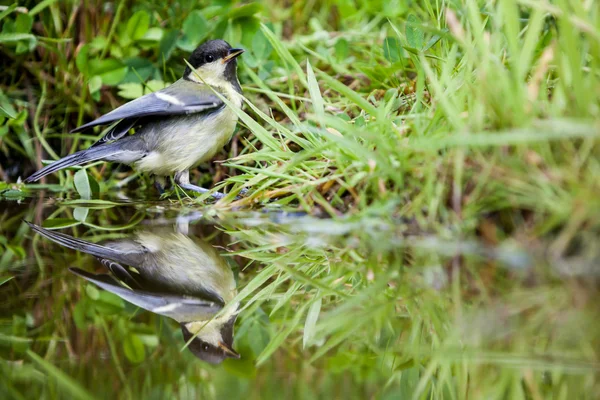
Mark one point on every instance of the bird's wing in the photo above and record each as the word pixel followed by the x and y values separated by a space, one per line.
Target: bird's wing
pixel 182 97
pixel 117 131
pixel 180 308
pixel 131 255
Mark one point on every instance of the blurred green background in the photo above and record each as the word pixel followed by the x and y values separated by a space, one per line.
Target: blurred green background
pixel 446 153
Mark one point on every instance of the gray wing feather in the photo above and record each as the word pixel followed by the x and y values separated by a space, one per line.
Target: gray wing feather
pixel 117 131
pixel 182 97
pixel 180 308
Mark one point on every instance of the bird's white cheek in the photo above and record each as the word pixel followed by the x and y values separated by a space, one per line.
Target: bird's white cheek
pixel 211 73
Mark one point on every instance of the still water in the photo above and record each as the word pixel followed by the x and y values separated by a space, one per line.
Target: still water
pixel 109 298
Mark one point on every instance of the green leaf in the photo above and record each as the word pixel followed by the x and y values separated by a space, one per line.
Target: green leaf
pixel 92 292
pixel 247 10
pixel 6 108
pixel 23 23
pixel 414 34
pixel 81 60
pixel 261 48
pixel 131 90
pixel 58 223
pixel 167 45
pixel 134 348
pixel 95 84
pixel 138 25
pixel 80 213
pixel 109 303
pixel 149 340
pixel 110 70
pixel 342 49
pixel 311 323
pixel 140 69
pixel 392 49
pixel 82 184
pixel 155 85
pixel 195 29
pixel 153 34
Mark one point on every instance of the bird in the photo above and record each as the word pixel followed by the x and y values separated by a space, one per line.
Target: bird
pixel 176 128
pixel 170 274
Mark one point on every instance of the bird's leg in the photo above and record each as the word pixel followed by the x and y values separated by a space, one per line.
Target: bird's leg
pixel 183 179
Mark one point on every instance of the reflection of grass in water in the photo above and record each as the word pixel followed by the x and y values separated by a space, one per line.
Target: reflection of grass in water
pixel 380 297
pixel 472 144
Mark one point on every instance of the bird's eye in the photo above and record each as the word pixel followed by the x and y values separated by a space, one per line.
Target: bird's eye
pixel 205 347
pixel 209 58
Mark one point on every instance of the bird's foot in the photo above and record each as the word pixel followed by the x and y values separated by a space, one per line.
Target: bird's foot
pixel 199 189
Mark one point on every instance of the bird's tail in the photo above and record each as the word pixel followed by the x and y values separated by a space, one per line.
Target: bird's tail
pixel 80 245
pixel 81 157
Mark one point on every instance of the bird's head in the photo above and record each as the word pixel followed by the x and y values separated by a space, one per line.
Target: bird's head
pixel 215 63
pixel 214 341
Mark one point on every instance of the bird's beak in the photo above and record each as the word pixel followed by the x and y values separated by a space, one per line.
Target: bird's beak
pixel 233 53
pixel 229 352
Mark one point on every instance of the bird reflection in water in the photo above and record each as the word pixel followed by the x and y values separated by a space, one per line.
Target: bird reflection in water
pixel 170 274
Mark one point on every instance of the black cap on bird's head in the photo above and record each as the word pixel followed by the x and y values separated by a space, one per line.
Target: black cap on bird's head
pixel 215 57
pixel 209 352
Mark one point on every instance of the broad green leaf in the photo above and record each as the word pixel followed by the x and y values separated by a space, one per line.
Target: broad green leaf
pixel 110 70
pixel 167 45
pixel 392 49
pixel 109 303
pixel 95 84
pixel 140 69
pixel 82 184
pixel 311 322
pixel 6 108
pixel 23 23
pixel 261 48
pixel 155 85
pixel 149 340
pixel 92 292
pixel 134 348
pixel 247 10
pixel 58 223
pixel 80 213
pixel 82 58
pixel 414 34
pixel 153 34
pixel 342 49
pixel 138 25
pixel 131 90
pixel 195 28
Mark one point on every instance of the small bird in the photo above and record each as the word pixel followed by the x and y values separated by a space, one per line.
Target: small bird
pixel 177 127
pixel 170 274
